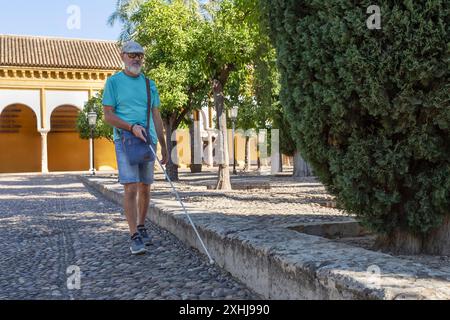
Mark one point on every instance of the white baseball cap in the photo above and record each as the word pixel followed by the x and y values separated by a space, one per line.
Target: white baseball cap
pixel 132 47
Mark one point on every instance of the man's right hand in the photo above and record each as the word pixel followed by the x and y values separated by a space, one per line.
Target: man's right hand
pixel 139 132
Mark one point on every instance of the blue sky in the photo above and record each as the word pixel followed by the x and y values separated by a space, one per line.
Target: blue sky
pixel 50 18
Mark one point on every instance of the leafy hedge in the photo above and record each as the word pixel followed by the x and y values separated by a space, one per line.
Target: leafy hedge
pixel 102 129
pixel 370 109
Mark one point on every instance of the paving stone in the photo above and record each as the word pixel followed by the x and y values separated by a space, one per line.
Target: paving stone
pixel 49 223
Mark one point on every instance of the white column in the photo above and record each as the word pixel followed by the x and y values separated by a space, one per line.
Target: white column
pixel 233 145
pixel 91 156
pixel 198 142
pixel 44 153
pixel 209 150
pixel 275 151
pixel 262 140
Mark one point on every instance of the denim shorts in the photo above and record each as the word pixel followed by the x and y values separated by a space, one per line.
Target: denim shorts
pixel 141 173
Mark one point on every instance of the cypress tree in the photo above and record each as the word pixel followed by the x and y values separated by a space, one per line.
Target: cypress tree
pixel 370 110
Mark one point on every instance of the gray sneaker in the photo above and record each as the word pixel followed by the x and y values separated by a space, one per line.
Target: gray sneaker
pixel 137 245
pixel 144 235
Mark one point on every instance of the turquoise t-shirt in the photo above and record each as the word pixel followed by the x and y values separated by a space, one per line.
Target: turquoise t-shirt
pixel 128 96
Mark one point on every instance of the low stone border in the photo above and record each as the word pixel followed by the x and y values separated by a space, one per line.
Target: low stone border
pixel 332 230
pixel 244 186
pixel 279 263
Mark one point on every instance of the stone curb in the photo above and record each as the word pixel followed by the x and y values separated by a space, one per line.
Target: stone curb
pixel 279 263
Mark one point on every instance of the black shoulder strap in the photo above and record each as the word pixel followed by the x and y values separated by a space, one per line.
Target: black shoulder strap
pixel 149 103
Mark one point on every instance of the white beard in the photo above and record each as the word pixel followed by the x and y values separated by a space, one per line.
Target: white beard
pixel 134 70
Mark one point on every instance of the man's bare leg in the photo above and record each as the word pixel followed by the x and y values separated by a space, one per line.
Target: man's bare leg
pixel 130 206
pixel 143 202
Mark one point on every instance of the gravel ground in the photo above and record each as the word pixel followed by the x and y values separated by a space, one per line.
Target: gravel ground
pixel 52 226
pixel 289 201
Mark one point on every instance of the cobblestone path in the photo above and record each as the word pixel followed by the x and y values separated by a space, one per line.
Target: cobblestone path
pixel 52 226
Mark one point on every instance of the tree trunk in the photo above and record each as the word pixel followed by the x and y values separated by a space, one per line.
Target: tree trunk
pixel 281 163
pixel 224 182
pixel 195 167
pixel 258 153
pixel 436 242
pixel 301 167
pixel 171 167
pixel 247 154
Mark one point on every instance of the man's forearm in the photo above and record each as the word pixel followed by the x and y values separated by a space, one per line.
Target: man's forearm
pixel 160 131
pixel 116 122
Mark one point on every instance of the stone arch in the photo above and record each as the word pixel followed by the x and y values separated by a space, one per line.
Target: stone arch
pixel 66 150
pixel 56 99
pixel 20 141
pixel 205 119
pixel 29 98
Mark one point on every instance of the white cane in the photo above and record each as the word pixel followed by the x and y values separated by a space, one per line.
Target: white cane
pixel 211 261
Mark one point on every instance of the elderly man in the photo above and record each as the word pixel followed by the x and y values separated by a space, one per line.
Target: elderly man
pixel 125 102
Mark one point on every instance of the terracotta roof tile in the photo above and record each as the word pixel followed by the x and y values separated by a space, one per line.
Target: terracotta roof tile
pixel 27 51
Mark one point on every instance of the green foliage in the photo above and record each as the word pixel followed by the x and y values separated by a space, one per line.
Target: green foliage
pixel 254 86
pixel 370 109
pixel 190 43
pixel 287 143
pixel 102 129
pixel 225 42
pixel 167 31
pixel 239 93
pixel 123 13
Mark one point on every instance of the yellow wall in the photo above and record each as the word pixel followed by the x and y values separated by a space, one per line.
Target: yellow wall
pixel 183 148
pixel 105 155
pixel 67 152
pixel 240 148
pixel 20 150
pixel 20 153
